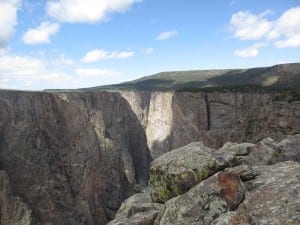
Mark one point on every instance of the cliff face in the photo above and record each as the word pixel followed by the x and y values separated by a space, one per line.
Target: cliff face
pixel 174 119
pixel 72 158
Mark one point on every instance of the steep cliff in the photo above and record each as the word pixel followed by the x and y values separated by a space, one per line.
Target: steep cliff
pixel 174 119
pixel 72 157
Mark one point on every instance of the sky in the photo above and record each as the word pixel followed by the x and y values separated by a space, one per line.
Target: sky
pixel 49 44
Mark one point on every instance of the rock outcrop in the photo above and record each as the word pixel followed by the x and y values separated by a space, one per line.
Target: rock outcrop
pixel 175 119
pixel 263 191
pixel 72 157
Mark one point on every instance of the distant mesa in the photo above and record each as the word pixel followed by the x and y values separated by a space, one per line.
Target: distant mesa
pixel 282 76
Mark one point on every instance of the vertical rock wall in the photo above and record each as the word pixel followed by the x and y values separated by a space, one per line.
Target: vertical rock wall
pixel 72 157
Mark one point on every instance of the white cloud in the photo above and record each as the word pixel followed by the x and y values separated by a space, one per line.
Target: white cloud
pixel 100 54
pixel 40 34
pixel 249 52
pixel 287 29
pixel 292 42
pixel 289 23
pixel 247 26
pixel 15 71
pixel 85 11
pixel 282 32
pixel 95 72
pixel 8 20
pixel 30 73
pixel 149 51
pixel 167 35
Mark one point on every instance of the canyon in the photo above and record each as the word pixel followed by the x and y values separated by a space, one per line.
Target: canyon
pixel 72 157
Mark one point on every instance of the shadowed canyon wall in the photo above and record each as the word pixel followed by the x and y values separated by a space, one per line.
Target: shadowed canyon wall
pixel 72 158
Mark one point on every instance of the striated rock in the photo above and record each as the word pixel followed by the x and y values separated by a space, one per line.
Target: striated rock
pixel 72 157
pixel 273 197
pixel 177 171
pixel 175 119
pixel 137 210
pixel 205 202
pixel 13 211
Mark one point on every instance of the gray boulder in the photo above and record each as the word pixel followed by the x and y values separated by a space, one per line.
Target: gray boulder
pixel 205 202
pixel 177 171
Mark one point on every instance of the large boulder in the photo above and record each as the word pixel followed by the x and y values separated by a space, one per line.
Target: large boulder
pixel 177 171
pixel 205 202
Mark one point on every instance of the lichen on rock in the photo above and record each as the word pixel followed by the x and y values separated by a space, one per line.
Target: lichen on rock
pixel 176 172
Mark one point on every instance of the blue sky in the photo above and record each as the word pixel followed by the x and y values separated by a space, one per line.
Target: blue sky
pixel 76 43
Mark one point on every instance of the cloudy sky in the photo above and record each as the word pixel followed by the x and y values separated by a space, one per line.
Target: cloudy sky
pixel 84 43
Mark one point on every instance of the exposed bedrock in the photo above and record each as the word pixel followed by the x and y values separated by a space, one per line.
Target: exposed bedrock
pixel 220 189
pixel 174 119
pixel 72 157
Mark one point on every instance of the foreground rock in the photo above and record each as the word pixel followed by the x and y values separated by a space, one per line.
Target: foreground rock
pixel 247 194
pixel 137 210
pixel 273 197
pixel 177 171
pixel 13 211
pixel 205 202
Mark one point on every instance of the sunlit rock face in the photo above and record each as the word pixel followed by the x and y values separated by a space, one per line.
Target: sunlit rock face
pixel 72 157
pixel 174 119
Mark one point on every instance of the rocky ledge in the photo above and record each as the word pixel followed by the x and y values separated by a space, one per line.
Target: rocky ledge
pixel 239 184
